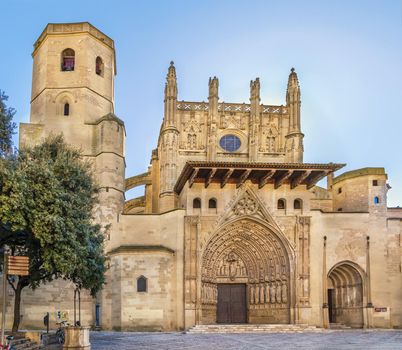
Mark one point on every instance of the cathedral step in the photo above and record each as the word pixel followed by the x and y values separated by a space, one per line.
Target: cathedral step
pixel 252 328
pixel 339 326
pixel 20 343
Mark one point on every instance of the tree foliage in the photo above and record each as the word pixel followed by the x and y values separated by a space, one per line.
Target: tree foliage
pixel 7 126
pixel 47 198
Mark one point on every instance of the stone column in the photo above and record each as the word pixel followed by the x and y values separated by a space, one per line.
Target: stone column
pixel 325 315
pixel 369 306
pixel 198 262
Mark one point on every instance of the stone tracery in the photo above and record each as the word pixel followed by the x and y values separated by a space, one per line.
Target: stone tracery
pixel 245 206
pixel 192 131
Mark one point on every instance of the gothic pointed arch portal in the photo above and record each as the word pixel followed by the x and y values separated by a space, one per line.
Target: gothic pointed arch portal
pixel 249 253
pixel 345 294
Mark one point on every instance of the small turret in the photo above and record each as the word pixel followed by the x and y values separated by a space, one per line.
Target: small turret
pixel 293 101
pixel 213 99
pixel 294 138
pixel 254 118
pixel 168 143
pixel 255 91
pixel 170 96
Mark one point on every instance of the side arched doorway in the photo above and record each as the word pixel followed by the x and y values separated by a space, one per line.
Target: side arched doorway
pixel 345 295
pixel 246 275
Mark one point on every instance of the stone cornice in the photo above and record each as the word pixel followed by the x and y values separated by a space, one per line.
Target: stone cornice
pixel 107 117
pixel 156 214
pixel 256 165
pixel 140 249
pixel 359 172
pixel 72 88
pixel 340 212
pixel 294 174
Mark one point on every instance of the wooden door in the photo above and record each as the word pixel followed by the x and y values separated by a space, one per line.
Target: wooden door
pixel 331 306
pixel 231 306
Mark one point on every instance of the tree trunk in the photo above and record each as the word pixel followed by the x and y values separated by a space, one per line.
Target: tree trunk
pixel 17 304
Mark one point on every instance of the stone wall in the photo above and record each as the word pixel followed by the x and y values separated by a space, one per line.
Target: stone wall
pixel 149 246
pixel 50 297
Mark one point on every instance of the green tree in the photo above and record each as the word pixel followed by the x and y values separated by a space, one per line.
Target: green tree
pixel 7 126
pixel 47 197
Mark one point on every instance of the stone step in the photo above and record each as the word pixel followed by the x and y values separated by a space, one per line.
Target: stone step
pixel 252 328
pixel 49 338
pixel 25 344
pixel 339 326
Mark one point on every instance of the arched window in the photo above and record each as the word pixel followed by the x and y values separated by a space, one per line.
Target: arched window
pixel 212 206
pixel 212 203
pixel 66 109
pixel 99 66
pixel 376 200
pixel 281 204
pixel 141 284
pixel 197 203
pixel 67 60
pixel 297 204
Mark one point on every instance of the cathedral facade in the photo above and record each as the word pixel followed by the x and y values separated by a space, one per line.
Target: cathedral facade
pixel 232 227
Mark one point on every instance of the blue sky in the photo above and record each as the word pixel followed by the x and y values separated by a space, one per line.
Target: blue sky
pixel 347 53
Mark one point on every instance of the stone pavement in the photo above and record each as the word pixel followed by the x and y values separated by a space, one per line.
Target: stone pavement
pixel 328 340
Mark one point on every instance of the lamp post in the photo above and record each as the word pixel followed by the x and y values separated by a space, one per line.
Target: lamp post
pixel 3 315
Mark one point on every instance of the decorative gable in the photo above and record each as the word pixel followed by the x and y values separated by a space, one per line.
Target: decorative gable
pixel 247 204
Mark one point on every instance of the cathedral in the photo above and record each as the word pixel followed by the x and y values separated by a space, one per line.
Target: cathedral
pixel 232 227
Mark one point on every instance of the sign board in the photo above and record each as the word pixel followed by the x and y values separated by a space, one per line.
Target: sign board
pixel 380 309
pixel 18 265
pixel 61 316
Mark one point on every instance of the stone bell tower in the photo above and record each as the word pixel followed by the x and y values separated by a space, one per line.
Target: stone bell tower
pixel 74 66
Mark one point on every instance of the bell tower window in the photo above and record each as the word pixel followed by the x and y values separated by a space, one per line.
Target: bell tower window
pixel 66 108
pixel 99 66
pixel 67 60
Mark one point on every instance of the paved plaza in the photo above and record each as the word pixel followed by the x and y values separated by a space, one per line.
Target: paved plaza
pixel 350 339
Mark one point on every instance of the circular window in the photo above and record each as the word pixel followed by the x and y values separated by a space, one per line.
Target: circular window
pixel 230 143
